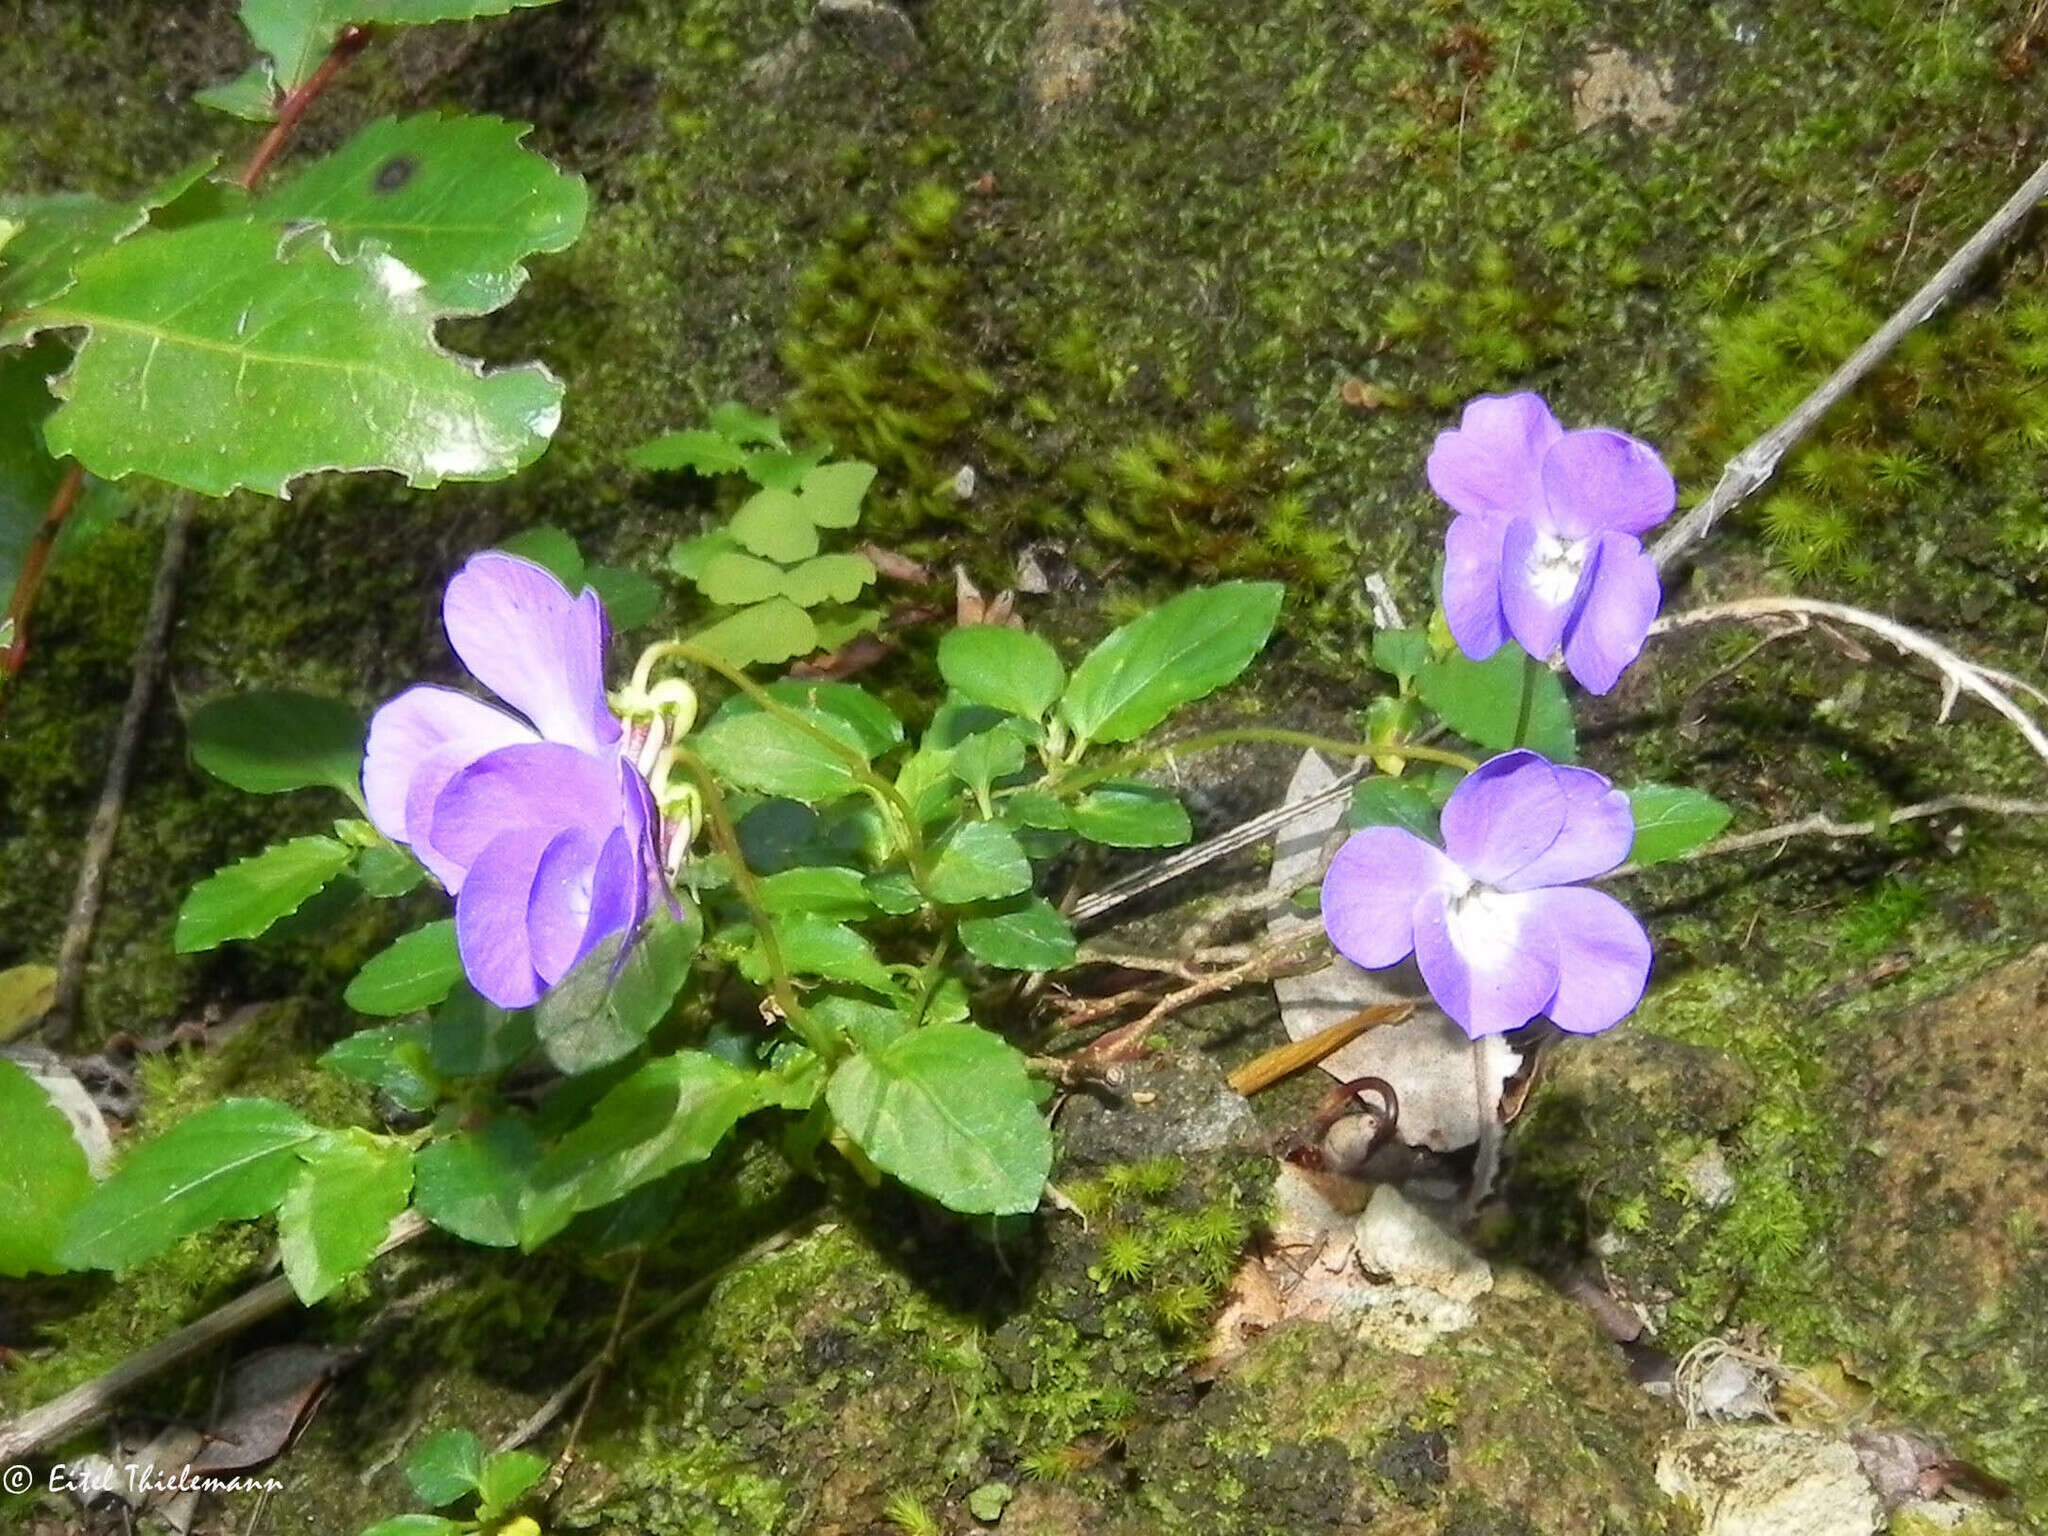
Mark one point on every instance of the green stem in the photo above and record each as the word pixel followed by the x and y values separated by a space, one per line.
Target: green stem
pixel 1135 761
pixel 725 838
pixel 1527 701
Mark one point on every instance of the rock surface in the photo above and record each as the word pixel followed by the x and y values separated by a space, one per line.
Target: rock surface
pixel 1770 1481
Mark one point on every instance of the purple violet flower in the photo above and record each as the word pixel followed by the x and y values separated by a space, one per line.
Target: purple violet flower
pixel 1546 546
pixel 1499 930
pixel 544 832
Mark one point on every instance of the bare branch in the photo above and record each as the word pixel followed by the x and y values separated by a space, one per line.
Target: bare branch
pixel 1823 826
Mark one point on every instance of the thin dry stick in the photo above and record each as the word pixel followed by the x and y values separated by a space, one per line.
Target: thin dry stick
pixel 86 1405
pixel 603 1362
pixel 152 652
pixel 1823 826
pixel 1959 674
pixel 1284 1061
pixel 1269 962
pixel 557 1404
pixel 1754 466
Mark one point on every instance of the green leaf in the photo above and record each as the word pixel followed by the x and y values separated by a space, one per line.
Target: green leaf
pixel 760 752
pixel 242 900
pixel 1400 653
pixel 26 993
pixel 1131 816
pixel 704 453
pixel 1179 652
pixel 416 972
pixel 1036 809
pixel 827 579
pixel 446 1466
pixel 847 708
pixel 603 1008
pixel 948 1110
pixel 772 524
pixel 749 429
pixel 54 233
pixel 474 1182
pixel 392 1058
pixel 832 493
pixel 778 469
pixel 551 548
pixel 1382 802
pixel 631 598
pixel 252 95
pixel 506 1479
pixel 1482 702
pixel 1027 935
pixel 29 477
pixel 1671 821
pixel 44 1178
pixel 867 1026
pixel 1004 668
pixel 817 946
pixel 456 199
pixel 340 1208
pixel 232 1162
pixel 297 34
pixel 822 891
pixel 894 892
pixel 672 1112
pixel 416 1525
pixel 385 871
pixel 268 741
pixel 202 366
pixel 734 578
pixel 764 634
pixel 980 760
pixel 981 861
pixel 470 1036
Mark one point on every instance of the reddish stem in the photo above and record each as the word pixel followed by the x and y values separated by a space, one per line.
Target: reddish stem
pixel 350 42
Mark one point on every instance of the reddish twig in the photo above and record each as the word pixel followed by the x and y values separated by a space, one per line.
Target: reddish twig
pixel 31 579
pixel 351 41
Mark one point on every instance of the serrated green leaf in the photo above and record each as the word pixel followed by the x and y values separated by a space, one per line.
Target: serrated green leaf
pixel 869 1026
pixel 297 34
pixel 949 1111
pixel 445 1466
pixel 339 1209
pixel 416 971
pixel 1026 935
pixel 252 95
pixel 232 1162
pixel 1034 808
pixel 847 709
pixel 457 200
pixel 506 1479
pixel 473 1183
pixel 672 1112
pixel 470 1036
pixel 894 892
pixel 777 469
pixel 1400 653
pixel 688 557
pixel 827 579
pixel 242 900
pixel 760 752
pixel 1483 702
pixel 384 871
pixel 629 597
pixel 703 453
pixel 44 1178
pixel 817 946
pixel 268 741
pixel 1179 652
pixel 218 357
pixel 981 861
pixel 1382 802
pixel 764 634
pixel 750 429
pixel 1131 816
pixel 832 493
pixel 551 549
pixel 1671 821
pixel 980 760
pixel 1004 668
pixel 773 524
pixel 392 1058
pixel 735 578
pixel 822 891
pixel 604 1007
pixel 54 233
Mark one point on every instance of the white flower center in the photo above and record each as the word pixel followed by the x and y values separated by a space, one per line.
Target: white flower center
pixel 1555 565
pixel 1483 924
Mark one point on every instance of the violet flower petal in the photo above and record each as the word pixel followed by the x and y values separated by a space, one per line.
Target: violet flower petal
pixel 1603 958
pixel 1596 479
pixel 1538 602
pixel 1502 815
pixel 1472 582
pixel 1620 604
pixel 1488 960
pixel 1596 834
pixel 1370 893
pixel 557 911
pixel 542 785
pixel 490 917
pixel 1491 466
pixel 618 892
pixel 426 728
pixel 526 639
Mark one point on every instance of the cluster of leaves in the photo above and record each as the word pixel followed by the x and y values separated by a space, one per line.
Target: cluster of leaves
pixel 451 1468
pixel 214 338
